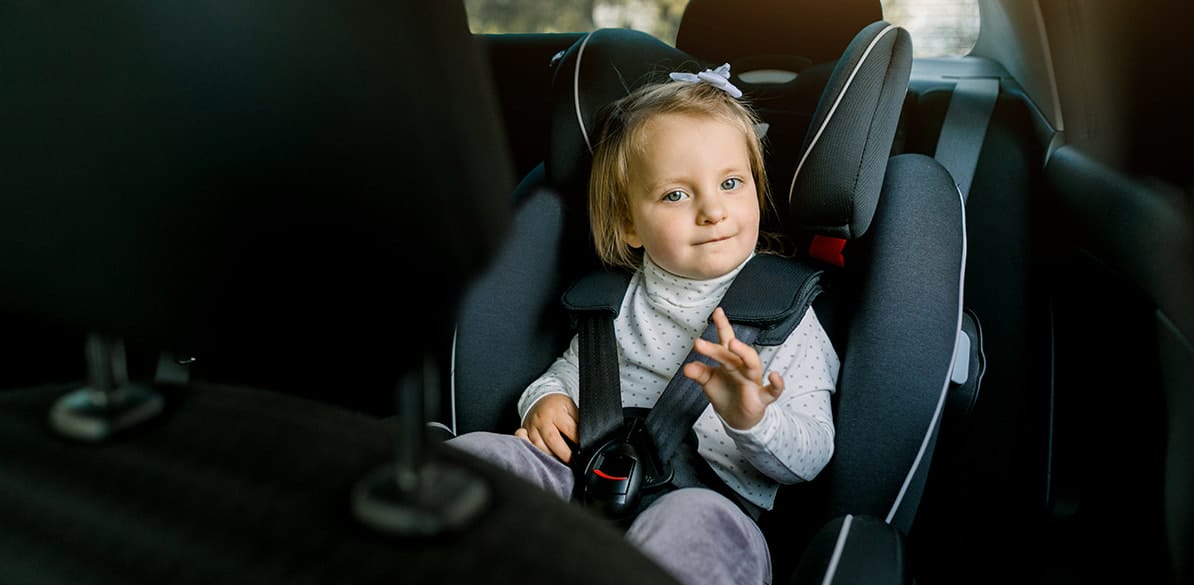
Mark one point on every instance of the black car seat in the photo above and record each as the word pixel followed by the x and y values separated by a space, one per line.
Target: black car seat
pixel 893 303
pixel 268 178
pixel 781 53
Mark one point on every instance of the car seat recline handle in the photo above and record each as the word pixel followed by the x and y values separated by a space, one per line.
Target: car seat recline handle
pixel 418 495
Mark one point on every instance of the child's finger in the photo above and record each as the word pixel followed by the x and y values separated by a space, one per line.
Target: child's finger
pixel 725 331
pixel 717 353
pixel 775 386
pixel 698 372
pixel 555 442
pixel 749 359
pixel 537 441
pixel 568 423
pixel 567 427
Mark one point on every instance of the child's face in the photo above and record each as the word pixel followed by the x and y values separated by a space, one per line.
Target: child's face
pixel 694 206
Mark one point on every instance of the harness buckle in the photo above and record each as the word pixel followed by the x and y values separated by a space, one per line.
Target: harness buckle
pixel 621 470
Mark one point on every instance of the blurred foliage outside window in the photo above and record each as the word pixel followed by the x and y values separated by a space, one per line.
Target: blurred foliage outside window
pixel 939 28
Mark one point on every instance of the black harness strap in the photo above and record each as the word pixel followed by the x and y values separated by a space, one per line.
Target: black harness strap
pixel 683 400
pixel 602 410
pixel 594 303
pixel 764 304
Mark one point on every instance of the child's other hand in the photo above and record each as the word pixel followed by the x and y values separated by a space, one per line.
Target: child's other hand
pixel 735 386
pixel 551 419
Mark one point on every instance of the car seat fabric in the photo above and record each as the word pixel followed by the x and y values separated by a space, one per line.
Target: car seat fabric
pixel 242 485
pixel 508 331
pixel 837 180
pixel 601 67
pixel 901 341
pixel 905 278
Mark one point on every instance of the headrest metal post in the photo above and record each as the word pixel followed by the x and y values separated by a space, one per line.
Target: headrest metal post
pixel 418 495
pixel 109 403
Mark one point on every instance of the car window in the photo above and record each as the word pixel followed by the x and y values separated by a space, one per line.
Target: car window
pixel 939 28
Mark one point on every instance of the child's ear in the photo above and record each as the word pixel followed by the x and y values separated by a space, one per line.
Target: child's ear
pixel 630 236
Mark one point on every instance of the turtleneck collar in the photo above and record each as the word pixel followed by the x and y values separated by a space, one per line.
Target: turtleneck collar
pixel 663 286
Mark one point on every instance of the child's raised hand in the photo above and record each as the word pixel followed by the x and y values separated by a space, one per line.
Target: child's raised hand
pixel 551 419
pixel 735 386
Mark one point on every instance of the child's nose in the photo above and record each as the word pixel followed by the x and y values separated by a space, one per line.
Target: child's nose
pixel 711 210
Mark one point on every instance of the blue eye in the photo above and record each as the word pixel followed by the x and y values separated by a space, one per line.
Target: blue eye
pixel 674 195
pixel 730 184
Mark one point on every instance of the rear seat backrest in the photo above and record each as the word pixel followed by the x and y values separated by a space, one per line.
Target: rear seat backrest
pixel 818 31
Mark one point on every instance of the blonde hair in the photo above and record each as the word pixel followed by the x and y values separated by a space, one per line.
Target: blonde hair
pixel 622 138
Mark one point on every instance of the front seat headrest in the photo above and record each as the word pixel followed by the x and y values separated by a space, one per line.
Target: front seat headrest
pixel 221 172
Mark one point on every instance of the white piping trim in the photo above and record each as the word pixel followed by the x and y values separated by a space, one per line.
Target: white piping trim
pixel 580 121
pixel 924 443
pixel 833 109
pixel 440 425
pixel 838 547
pixel 452 382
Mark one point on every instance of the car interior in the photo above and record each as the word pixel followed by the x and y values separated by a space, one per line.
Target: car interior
pixel 258 261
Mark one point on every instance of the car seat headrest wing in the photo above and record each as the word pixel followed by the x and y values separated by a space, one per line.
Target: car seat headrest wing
pixel 601 67
pixel 837 181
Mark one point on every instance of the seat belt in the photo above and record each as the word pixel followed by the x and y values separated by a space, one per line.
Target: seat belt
pixel 965 128
pixel 683 400
pixel 618 456
pixel 962 135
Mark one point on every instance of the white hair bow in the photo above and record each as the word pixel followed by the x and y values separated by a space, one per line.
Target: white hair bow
pixel 719 78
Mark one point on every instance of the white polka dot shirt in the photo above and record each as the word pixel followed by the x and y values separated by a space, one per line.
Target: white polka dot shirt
pixel 661 315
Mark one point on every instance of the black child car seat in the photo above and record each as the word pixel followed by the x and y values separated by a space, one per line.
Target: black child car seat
pixel 892 302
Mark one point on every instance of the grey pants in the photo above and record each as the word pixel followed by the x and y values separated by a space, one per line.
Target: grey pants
pixel 697 534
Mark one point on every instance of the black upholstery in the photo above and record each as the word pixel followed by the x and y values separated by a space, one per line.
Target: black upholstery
pixel 838 177
pixel 240 485
pixel 855 549
pixel 218 185
pixel 897 301
pixel 598 69
pixel 899 348
pixel 486 382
